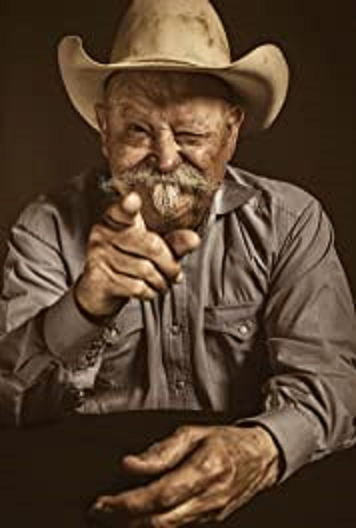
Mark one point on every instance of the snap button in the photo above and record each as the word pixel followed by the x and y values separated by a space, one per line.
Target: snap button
pixel 175 330
pixel 73 398
pixel 113 332
pixel 180 385
pixel 244 328
pixel 91 357
pixel 111 335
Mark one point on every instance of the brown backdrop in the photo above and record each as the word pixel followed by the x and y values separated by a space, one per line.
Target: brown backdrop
pixel 42 140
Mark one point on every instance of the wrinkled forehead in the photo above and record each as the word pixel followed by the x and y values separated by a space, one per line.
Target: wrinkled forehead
pixel 163 88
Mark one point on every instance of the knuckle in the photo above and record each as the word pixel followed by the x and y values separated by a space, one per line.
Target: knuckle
pixel 98 252
pixel 184 430
pixel 140 290
pixel 95 271
pixel 188 431
pixel 146 268
pixel 214 466
pixel 153 276
pixel 96 234
pixel 166 498
pixel 132 505
pixel 208 467
pixel 220 501
pixel 153 243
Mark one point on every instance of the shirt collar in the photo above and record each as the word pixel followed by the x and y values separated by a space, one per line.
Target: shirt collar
pixel 232 193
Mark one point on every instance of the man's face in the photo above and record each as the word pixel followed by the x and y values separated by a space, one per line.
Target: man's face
pixel 168 136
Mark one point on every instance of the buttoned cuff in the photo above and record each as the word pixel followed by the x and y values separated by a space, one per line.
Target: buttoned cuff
pixel 69 335
pixel 293 434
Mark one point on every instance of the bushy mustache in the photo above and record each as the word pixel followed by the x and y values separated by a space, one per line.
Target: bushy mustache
pixel 186 178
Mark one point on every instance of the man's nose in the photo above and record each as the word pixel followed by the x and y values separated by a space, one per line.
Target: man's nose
pixel 167 152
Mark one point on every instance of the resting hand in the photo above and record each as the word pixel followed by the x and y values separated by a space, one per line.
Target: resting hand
pixel 204 474
pixel 126 260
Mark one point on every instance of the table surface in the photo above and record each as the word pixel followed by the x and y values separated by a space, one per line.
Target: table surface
pixel 49 475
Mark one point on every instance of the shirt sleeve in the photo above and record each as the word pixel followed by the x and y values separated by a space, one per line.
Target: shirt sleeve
pixel 49 352
pixel 309 324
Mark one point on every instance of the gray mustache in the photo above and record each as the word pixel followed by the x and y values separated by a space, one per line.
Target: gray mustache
pixel 185 177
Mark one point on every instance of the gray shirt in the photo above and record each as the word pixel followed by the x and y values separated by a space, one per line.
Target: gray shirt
pixel 262 327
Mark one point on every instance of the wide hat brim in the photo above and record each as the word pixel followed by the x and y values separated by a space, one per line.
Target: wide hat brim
pixel 259 79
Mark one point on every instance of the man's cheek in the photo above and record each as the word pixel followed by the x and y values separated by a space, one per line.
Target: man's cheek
pixel 200 158
pixel 207 161
pixel 125 158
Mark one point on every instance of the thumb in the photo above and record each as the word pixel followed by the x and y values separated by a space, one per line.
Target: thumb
pixel 182 241
pixel 167 454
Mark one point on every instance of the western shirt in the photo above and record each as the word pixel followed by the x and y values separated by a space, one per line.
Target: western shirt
pixel 262 326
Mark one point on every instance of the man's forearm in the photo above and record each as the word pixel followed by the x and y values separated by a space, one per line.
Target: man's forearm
pixel 46 362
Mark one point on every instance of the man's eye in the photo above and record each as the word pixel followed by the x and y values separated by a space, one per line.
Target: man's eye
pixel 190 138
pixel 139 130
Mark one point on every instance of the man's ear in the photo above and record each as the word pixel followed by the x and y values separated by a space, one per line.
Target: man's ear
pixel 101 117
pixel 234 123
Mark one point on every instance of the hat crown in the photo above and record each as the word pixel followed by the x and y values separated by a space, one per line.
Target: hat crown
pixel 187 31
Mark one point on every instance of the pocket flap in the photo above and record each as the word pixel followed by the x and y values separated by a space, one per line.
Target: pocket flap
pixel 239 321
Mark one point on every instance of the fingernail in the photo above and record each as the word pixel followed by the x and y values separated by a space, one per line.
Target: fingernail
pixel 100 505
pixel 180 277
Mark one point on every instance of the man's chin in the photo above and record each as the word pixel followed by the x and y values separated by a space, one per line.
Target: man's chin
pixel 165 218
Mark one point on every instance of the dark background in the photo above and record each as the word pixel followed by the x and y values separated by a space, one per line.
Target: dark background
pixel 43 140
pixel 51 475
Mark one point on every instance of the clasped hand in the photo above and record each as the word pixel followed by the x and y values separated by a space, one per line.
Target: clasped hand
pixel 200 474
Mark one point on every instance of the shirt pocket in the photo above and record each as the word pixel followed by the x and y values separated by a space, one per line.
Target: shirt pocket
pixel 236 356
pixel 238 321
pixel 124 343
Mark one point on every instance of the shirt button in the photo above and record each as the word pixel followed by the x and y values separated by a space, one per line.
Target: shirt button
pixel 244 329
pixel 91 358
pixel 175 330
pixel 110 335
pixel 73 398
pixel 113 333
pixel 180 385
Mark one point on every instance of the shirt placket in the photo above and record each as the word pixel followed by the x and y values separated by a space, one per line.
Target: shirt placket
pixel 176 348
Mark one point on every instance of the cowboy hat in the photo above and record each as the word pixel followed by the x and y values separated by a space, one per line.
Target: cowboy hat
pixel 177 35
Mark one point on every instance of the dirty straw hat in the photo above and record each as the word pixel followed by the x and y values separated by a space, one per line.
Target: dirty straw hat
pixel 178 35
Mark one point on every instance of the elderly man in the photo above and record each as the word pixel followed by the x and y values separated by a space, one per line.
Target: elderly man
pixel 173 280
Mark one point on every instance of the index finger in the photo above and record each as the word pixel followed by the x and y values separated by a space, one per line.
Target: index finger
pixel 124 212
pixel 166 454
pixel 180 485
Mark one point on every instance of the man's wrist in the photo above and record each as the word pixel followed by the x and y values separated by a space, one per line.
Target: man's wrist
pixel 98 318
pixel 66 332
pixel 273 453
pixel 268 449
